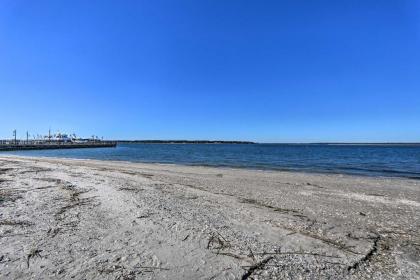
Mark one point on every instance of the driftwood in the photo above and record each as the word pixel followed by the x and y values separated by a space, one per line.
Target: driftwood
pixel 257 266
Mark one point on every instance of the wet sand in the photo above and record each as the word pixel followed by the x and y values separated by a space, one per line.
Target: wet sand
pixel 82 219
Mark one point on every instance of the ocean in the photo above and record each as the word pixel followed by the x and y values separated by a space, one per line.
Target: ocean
pixel 371 160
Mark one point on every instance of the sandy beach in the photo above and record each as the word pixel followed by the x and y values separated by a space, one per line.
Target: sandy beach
pixel 86 219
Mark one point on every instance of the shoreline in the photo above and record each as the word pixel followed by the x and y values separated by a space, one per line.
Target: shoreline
pixel 78 218
pixel 250 168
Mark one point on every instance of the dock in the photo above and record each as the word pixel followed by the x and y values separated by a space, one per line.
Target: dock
pixel 32 145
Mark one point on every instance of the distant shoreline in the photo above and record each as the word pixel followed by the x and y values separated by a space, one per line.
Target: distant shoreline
pixel 182 142
pixel 250 142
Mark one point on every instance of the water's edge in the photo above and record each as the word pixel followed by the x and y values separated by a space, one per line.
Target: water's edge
pixel 382 161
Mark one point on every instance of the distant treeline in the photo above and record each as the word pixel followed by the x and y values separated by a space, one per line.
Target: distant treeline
pixel 182 142
pixel 249 142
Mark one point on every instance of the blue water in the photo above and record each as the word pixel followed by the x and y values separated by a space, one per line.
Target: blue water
pixel 376 160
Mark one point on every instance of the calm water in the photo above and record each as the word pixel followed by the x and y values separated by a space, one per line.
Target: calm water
pixel 402 161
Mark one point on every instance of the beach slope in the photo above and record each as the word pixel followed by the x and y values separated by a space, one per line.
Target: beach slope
pixel 83 219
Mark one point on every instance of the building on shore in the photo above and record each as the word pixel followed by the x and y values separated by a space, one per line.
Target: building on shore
pixel 57 138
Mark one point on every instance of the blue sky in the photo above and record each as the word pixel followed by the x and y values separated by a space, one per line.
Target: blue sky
pixel 269 71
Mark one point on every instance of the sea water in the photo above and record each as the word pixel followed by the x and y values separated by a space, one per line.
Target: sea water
pixel 374 160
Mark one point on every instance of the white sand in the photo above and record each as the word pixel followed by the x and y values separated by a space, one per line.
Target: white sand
pixel 80 219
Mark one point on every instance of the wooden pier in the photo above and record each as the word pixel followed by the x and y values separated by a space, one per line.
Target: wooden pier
pixel 32 145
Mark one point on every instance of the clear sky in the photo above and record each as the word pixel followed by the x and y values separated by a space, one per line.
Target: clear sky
pixel 269 71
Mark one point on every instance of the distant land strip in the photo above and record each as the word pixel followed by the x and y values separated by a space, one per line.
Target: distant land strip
pixel 183 142
pixel 250 142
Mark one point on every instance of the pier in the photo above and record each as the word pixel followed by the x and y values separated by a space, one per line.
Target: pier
pixel 12 145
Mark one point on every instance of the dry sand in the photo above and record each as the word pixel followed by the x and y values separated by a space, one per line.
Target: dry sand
pixel 80 219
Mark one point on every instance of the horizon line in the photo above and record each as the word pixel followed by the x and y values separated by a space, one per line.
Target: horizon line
pixel 284 143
